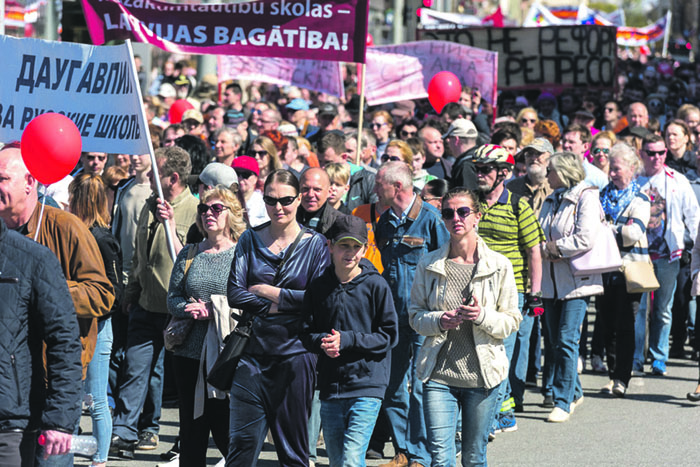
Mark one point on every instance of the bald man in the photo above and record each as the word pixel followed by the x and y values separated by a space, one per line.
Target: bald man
pixel 637 115
pixel 314 212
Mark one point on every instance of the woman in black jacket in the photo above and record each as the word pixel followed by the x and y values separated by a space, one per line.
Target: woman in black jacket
pixel 88 201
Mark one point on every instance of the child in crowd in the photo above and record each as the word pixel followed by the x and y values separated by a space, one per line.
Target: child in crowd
pixel 340 184
pixel 351 322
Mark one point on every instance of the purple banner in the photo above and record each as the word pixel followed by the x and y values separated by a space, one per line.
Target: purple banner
pixel 301 29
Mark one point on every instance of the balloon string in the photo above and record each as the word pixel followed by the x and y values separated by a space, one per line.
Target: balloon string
pixel 41 213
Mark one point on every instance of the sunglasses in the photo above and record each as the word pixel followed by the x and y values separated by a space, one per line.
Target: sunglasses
pixel 284 201
pixel 484 169
pixel 377 125
pixel 244 174
pixel 216 209
pixel 528 120
pixel 100 158
pixel 386 158
pixel 449 213
pixel 597 151
pixel 655 153
pixel 408 134
pixel 259 154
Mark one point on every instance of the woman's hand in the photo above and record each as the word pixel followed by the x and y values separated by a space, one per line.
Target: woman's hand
pixel 199 310
pixel 266 291
pixel 470 312
pixel 451 319
pixel 331 344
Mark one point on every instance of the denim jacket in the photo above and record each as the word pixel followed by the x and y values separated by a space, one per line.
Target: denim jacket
pixel 402 243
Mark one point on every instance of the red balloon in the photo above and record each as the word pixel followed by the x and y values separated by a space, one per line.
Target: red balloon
pixel 51 146
pixel 369 40
pixel 443 89
pixel 178 108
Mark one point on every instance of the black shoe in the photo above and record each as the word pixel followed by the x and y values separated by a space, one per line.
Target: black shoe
pixel 372 454
pixel 693 396
pixel 173 452
pixel 548 402
pixel 121 448
pixel 518 408
pixel 147 441
pixel 676 353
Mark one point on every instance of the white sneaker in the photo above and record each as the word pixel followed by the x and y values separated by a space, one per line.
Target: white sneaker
pixel 558 415
pixel 581 366
pixel 575 404
pixel 597 364
pixel 608 388
pixel 221 463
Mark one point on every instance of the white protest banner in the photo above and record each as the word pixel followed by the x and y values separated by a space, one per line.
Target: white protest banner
pixel 402 72
pixel 92 85
pixel 318 75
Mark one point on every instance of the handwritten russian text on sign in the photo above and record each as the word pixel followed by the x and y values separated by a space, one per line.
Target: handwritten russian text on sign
pixel 332 30
pixel 93 86
pixel 316 75
pixel 401 72
pixel 532 58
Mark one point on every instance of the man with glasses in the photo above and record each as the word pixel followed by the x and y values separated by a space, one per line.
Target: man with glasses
pixel 145 300
pixel 407 129
pixel 508 226
pixel 674 219
pixel 405 232
pixel 172 133
pixel 92 163
pixel 269 120
pixel 461 139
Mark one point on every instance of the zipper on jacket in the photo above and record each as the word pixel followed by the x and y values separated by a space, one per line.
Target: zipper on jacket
pixel 14 370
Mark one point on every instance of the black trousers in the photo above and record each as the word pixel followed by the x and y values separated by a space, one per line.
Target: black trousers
pixel 17 449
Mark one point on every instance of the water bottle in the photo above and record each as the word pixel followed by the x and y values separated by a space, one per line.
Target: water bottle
pixel 80 445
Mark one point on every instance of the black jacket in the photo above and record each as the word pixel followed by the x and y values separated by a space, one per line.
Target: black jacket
pixel 463 173
pixel 363 312
pixel 361 189
pixel 326 217
pixel 112 257
pixel 35 305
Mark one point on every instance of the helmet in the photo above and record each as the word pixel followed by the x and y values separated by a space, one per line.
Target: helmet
pixel 493 154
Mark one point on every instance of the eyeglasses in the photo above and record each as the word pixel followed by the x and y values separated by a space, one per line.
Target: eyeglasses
pixel 258 154
pixel 284 201
pixel 408 134
pixel 386 158
pixel 484 169
pixel 605 151
pixel 449 213
pixel 244 174
pixel 610 109
pixel 654 153
pixel 377 125
pixel 216 209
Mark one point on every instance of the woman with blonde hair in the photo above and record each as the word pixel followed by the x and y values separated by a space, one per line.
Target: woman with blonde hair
pixel 527 118
pixel 600 149
pixel 264 151
pixel 398 150
pixel 88 201
pixel 220 220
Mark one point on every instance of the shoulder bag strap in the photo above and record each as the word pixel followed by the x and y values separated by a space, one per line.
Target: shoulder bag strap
pixel 288 254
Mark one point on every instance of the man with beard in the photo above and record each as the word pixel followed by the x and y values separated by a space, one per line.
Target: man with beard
pixel 508 226
pixel 533 186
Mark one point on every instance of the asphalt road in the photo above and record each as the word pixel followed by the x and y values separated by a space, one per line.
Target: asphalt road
pixel 653 425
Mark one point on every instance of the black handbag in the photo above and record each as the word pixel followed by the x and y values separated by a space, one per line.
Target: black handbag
pixel 221 374
pixel 177 329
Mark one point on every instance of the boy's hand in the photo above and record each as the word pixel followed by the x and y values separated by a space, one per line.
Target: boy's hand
pixel 331 344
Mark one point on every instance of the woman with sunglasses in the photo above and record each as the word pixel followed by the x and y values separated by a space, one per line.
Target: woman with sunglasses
pixel 382 126
pixel 274 382
pixel 264 151
pixel 600 149
pixel 247 171
pixel 220 220
pixel 465 301
pixel 527 118
pixel 569 219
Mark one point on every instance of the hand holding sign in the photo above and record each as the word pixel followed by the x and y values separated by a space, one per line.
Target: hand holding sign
pixel 443 89
pixel 178 108
pixel 51 146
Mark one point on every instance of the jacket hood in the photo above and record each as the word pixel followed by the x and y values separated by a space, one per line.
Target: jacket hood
pixel 368 270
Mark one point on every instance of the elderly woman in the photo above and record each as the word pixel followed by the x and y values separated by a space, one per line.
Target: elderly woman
pixel 220 220
pixel 600 149
pixel 570 218
pixel 464 300
pixel 627 212
pixel 680 155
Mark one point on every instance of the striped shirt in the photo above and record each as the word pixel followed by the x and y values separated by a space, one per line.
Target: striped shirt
pixel 511 236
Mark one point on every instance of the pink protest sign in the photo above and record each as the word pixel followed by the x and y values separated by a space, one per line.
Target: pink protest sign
pixel 401 72
pixel 311 74
pixel 333 30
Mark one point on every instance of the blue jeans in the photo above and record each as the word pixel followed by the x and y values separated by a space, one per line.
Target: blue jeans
pixel 143 366
pixel 95 388
pixel 405 412
pixel 520 359
pixel 442 405
pixel 563 319
pixel 660 320
pixel 347 428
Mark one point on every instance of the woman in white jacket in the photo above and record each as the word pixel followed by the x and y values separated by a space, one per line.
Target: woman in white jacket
pixel 570 218
pixel 464 300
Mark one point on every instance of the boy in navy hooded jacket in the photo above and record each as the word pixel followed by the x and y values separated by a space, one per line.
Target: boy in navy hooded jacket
pixel 351 322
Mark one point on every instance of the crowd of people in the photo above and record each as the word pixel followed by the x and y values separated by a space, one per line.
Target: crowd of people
pixel 402 282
